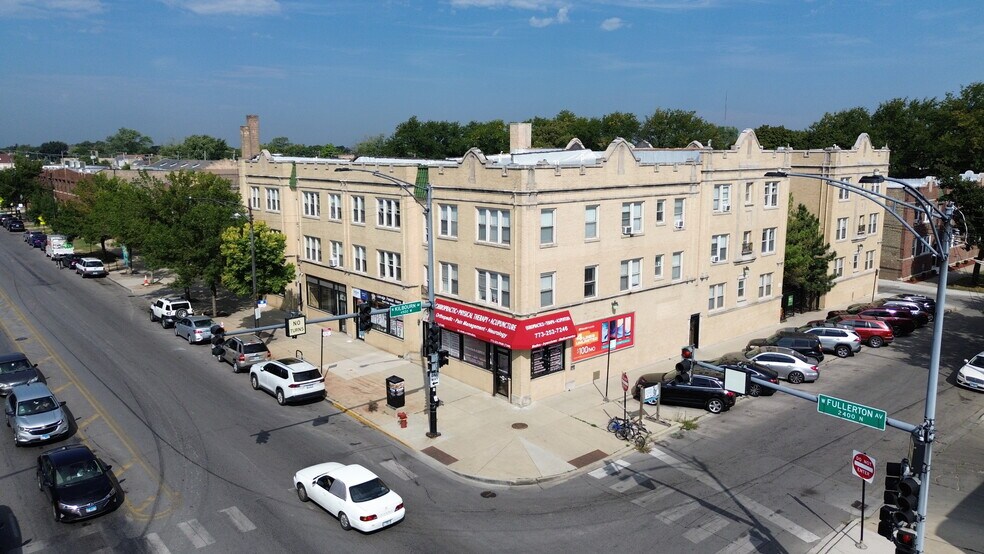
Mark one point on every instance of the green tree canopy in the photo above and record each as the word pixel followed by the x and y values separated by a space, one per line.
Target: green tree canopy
pixel 808 257
pixel 772 137
pixel 273 273
pixel 968 197
pixel 20 182
pixel 197 147
pixel 128 141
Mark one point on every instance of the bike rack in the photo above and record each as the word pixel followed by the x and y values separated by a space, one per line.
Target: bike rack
pixel 298 354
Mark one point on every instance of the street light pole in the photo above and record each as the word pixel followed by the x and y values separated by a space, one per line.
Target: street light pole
pixel 923 436
pixel 433 362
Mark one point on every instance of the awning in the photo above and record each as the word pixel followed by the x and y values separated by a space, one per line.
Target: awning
pixel 517 334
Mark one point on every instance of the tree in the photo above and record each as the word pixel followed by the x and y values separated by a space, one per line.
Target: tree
pixel 197 147
pixel 808 257
pixel 678 128
pixel 618 125
pixel 20 182
pixel 273 273
pixel 85 150
pixel 491 137
pixel 128 141
pixel 968 196
pixel 840 128
pixel 53 148
pixel 772 137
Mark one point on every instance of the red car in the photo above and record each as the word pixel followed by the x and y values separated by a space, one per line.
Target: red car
pixel 874 332
pixel 901 321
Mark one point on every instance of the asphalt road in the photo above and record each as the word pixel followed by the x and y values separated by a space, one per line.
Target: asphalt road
pixel 206 461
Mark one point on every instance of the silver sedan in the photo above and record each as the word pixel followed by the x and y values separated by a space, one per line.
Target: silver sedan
pixel 195 329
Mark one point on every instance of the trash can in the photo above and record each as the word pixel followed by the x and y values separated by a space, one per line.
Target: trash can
pixel 394 391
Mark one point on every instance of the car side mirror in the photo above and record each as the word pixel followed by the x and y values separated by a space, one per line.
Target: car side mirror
pixel 966 361
pixel 62 403
pixel 35 365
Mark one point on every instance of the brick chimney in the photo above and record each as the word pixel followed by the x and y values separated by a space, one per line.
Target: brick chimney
pixel 249 137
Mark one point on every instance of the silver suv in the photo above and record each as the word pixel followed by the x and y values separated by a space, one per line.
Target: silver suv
pixel 842 342
pixel 169 310
pixel 34 414
pixel 243 352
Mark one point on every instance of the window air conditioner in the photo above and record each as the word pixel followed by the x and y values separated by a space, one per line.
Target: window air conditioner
pixel 725 207
pixel 715 259
pixel 332 262
pixel 627 230
pixel 678 225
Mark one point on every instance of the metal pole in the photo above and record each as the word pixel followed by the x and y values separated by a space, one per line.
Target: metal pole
pixel 432 360
pixel 927 433
pixel 252 256
pixel 608 370
pixel 863 483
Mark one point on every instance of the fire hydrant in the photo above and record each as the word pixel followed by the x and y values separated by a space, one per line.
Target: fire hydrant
pixel 402 416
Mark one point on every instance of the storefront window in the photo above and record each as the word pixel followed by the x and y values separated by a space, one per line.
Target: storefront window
pixel 476 352
pixel 326 296
pixel 547 360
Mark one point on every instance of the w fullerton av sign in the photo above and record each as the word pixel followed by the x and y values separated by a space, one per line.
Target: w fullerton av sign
pixel 851 411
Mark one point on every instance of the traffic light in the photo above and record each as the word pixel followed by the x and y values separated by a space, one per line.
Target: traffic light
pixel 443 358
pixel 887 522
pixel 365 317
pixel 432 338
pixel 908 499
pixel 905 542
pixel 218 338
pixel 685 366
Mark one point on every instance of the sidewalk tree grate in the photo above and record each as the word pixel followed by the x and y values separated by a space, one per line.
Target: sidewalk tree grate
pixel 519 426
pixel 488 494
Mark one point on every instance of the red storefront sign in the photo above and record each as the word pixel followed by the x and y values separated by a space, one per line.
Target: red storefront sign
pixel 516 334
pixel 597 337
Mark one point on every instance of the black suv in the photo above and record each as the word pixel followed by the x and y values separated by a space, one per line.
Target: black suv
pixel 702 392
pixel 804 343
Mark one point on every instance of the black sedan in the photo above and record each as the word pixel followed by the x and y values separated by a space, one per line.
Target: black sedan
pixel 78 484
pixel 15 225
pixel 701 392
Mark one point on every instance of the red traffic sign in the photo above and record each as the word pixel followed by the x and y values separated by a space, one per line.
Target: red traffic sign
pixel 863 466
pixel 625 382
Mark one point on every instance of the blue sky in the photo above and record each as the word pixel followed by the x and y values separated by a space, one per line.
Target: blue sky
pixel 319 71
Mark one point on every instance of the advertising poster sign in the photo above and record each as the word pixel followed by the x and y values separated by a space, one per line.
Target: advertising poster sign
pixel 598 337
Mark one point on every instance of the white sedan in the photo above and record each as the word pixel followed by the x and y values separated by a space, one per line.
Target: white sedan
pixel 352 493
pixel 971 375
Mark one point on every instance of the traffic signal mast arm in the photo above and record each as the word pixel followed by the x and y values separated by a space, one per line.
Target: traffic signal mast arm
pixel 353 316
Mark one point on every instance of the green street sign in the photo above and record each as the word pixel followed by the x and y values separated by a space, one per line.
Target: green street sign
pixel 401 310
pixel 851 411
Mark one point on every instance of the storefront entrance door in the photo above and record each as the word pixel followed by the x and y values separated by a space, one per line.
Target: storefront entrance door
pixel 501 371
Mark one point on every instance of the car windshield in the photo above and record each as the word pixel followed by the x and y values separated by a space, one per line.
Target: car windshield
pixel 797 355
pixel 306 375
pixel 977 361
pixel 77 472
pixel 203 324
pixel 14 366
pixel 369 490
pixel 254 348
pixel 36 406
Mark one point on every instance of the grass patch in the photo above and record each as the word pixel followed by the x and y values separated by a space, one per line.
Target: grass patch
pixel 965 282
pixel 688 424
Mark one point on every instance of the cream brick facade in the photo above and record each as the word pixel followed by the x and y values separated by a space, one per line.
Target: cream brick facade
pixel 567 213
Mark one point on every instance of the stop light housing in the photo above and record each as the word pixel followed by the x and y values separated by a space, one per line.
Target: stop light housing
pixel 218 334
pixel 685 366
pixel 908 499
pixel 433 338
pixel 443 358
pixel 905 542
pixel 365 317
pixel 888 515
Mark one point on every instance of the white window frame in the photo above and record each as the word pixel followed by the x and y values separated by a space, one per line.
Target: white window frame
pixel 359 209
pixel 676 266
pixel 740 289
pixel 841 230
pixel 312 203
pixel 842 193
pixel 749 194
pixel 338 253
pixel 715 297
pixel 770 198
pixel 721 199
pixel 658 266
pixel 769 240
pixel 493 226
pixel 312 249
pixel 390 265
pixel 388 213
pixel 591 282
pixel 449 278
pixel 272 199
pixel 492 288
pixel 719 248
pixel 548 227
pixel 632 214
pixel 449 220
pixel 335 207
pixel 548 285
pixel 873 224
pixel 591 217
pixel 869 259
pixel 839 267
pixel 254 197
pixel 630 274
pixel 679 213
pixel 765 285
pixel 661 211
pixel 359 262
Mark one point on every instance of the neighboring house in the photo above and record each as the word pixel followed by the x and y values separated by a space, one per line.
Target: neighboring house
pixel 227 169
pixel 61 179
pixel 852 224
pixel 544 258
pixel 6 161
pixel 903 255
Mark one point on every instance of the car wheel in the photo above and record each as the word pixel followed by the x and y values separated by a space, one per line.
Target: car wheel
pixel 163 324
pixel 755 390
pixel 343 520
pixel 795 378
pixel 152 317
pixel 235 367
pixel 302 493
pixel 842 351
pixel 175 331
pixel 253 382
pixel 54 512
pixel 281 399
pixel 715 406
pixel 876 342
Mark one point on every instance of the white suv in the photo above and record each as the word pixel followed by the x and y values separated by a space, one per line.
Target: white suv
pixel 90 267
pixel 288 379
pixel 169 310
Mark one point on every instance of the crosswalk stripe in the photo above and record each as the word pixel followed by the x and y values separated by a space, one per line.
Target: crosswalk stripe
pixel 706 529
pixel 674 513
pixel 156 544
pixel 239 519
pixel 196 533
pixel 630 481
pixel 652 497
pixel 610 468
pixel 744 545
pixel 33 546
pixel 399 470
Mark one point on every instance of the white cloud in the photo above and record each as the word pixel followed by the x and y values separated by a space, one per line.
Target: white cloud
pixel 227 7
pixel 41 8
pixel 521 4
pixel 612 24
pixel 540 22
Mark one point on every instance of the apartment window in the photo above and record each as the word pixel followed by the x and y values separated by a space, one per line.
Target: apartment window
pixel 547 289
pixel 841 228
pixel 254 197
pixel 591 281
pixel 547 227
pixel 722 198
pixel 678 213
pixel 873 224
pixel 855 261
pixel 449 278
pixel 449 220
pixel 715 297
pixel 335 207
pixel 660 212
pixel 843 194
pixel 493 288
pixel 659 266
pixel 719 248
pixel 312 204
pixel 312 249
pixel 388 213
pixel 741 288
pixel 337 255
pixel 591 222
pixel 676 269
pixel 632 216
pixel 746 243
pixel 389 265
pixel 771 198
pixel 629 275
pixel 359 259
pixel 273 200
pixel 358 209
pixel 493 226
pixel 769 240
pixel 749 193
pixel 918 246
pixel 839 267
pixel 765 285
pixel 869 259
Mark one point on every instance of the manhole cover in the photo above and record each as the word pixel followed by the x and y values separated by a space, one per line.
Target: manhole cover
pixel 488 494
pixel 519 426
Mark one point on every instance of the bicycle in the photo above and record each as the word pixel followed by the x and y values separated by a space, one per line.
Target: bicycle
pixel 615 422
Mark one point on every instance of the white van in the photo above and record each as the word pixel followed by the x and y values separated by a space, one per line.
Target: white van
pixel 58 246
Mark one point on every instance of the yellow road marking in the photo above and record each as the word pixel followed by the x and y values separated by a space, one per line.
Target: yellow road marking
pixel 58 390
pixel 85 422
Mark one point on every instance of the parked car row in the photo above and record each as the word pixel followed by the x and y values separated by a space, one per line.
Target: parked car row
pixel 11 222
pixel 86 266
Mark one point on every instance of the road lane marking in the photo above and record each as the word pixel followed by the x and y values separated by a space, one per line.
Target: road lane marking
pixel 610 468
pixel 59 389
pixel 196 533
pixel 744 545
pixel 87 421
pixel 674 513
pixel 399 470
pixel 652 497
pixel 630 482
pixel 706 529
pixel 155 543
pixel 239 519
